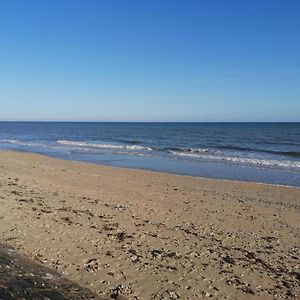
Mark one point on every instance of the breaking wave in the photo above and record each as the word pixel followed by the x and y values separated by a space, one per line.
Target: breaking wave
pixel 103 146
pixel 278 152
pixel 193 150
pixel 23 143
pixel 242 160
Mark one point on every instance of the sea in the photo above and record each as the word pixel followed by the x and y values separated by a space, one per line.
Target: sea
pixel 259 152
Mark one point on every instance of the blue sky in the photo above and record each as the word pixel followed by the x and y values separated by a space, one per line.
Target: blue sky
pixel 138 60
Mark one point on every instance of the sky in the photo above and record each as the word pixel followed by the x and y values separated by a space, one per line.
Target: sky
pixel 150 60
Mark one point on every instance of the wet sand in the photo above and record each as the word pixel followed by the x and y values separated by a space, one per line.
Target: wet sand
pixel 150 235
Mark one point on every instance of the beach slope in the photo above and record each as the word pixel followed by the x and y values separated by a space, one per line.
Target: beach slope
pixel 151 235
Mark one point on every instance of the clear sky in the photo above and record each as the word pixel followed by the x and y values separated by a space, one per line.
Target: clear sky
pixel 150 60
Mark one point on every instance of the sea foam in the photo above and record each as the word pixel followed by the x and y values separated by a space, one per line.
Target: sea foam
pixel 102 146
pixel 242 160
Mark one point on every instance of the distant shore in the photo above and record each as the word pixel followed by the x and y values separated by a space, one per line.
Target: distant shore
pixel 151 235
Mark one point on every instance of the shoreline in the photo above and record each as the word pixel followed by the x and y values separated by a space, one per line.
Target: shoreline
pixel 151 235
pixel 149 170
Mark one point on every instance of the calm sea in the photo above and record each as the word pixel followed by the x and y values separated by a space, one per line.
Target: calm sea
pixel 261 152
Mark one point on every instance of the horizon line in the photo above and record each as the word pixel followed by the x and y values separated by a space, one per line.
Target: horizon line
pixel 77 121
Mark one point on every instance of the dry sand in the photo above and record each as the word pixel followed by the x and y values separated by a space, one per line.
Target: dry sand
pixel 151 235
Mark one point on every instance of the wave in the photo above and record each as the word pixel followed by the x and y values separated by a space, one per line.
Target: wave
pixel 291 153
pixel 192 150
pixel 23 143
pixel 281 142
pixel 103 146
pixel 243 160
pixel 30 144
pixel 79 145
pixel 278 152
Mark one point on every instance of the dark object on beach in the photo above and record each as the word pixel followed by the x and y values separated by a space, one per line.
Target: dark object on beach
pixel 22 278
pixel 229 259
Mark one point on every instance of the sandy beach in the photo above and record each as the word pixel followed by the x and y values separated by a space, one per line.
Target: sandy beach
pixel 151 235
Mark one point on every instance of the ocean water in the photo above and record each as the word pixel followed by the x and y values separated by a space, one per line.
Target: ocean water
pixel 260 152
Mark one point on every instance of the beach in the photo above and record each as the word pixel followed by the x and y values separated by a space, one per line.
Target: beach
pixel 151 235
pixel 253 152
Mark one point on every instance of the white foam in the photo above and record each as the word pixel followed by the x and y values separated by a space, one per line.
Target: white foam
pixel 102 146
pixel 194 150
pixel 11 141
pixel 135 147
pixel 244 160
pixel 23 143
